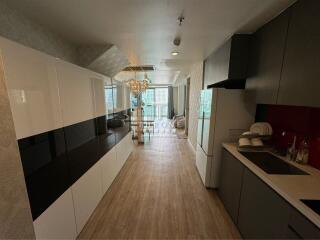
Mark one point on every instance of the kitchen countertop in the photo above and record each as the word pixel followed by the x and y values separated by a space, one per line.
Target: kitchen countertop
pixel 291 187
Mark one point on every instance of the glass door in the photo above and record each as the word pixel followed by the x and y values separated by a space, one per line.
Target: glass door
pixel 161 102
pixel 148 102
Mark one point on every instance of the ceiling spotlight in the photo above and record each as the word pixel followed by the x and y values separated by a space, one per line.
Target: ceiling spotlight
pixel 174 53
pixel 180 20
pixel 177 41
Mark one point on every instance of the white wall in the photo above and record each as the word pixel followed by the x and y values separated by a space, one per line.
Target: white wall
pixel 195 89
pixel 181 99
pixel 175 100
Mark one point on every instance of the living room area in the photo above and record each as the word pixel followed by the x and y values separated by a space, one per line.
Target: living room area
pixel 164 111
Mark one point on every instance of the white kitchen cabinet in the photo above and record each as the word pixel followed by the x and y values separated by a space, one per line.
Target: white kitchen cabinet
pixel 58 221
pixel 109 168
pixel 126 97
pixel 113 161
pixel 123 149
pixel 77 100
pixel 100 107
pixel 32 84
pixel 87 192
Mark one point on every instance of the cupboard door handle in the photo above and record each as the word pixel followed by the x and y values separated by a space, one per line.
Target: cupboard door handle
pixel 295 232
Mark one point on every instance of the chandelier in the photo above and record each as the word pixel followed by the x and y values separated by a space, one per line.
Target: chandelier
pixel 138 86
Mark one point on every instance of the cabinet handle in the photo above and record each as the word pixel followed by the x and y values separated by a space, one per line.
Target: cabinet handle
pixel 295 232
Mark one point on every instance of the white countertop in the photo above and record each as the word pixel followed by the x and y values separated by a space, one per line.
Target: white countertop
pixel 291 187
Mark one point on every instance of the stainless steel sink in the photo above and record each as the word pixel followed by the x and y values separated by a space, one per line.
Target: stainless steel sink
pixel 272 164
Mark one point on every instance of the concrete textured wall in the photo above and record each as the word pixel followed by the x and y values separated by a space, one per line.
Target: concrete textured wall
pixel 16 27
pixel 195 90
pixel 15 213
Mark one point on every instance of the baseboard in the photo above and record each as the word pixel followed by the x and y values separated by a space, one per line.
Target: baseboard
pixel 194 151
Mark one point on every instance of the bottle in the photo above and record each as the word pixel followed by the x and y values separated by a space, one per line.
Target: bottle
pixel 291 152
pixel 303 152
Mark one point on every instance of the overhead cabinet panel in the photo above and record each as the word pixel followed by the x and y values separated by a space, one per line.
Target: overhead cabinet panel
pixel 33 89
pixel 300 83
pixel 100 108
pixel 266 57
pixel 76 93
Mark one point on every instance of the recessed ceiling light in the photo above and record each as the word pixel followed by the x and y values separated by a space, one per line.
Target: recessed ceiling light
pixel 174 53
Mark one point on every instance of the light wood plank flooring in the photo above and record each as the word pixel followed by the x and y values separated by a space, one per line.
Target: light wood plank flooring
pixel 158 194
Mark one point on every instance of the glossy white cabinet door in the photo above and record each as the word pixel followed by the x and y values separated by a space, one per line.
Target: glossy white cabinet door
pixel 75 93
pixel 87 192
pixel 58 221
pixel 99 96
pixel 126 97
pixel 124 148
pixel 33 89
pixel 110 169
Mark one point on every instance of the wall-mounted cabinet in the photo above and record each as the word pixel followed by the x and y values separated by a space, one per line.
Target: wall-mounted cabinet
pixel 266 56
pixel 300 83
pixel 228 63
pixel 100 103
pixel 33 89
pixel 75 93
pixel 285 58
pixel 121 94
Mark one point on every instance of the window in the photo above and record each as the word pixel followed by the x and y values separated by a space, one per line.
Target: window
pixel 110 91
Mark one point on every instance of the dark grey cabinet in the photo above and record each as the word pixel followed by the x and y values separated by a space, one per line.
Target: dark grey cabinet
pixel 300 84
pixel 300 227
pixel 257 210
pixel 229 62
pixel 230 184
pixel 266 56
pixel 262 212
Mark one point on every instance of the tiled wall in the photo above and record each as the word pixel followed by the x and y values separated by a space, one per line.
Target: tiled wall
pixel 195 90
pixel 304 122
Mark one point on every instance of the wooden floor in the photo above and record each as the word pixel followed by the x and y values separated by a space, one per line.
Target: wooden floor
pixel 158 194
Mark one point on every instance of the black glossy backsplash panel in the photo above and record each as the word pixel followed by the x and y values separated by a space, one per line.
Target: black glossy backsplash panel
pixel 107 139
pixel 82 145
pixel 46 170
pixel 54 160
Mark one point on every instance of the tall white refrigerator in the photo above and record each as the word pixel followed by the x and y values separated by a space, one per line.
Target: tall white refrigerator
pixel 223 115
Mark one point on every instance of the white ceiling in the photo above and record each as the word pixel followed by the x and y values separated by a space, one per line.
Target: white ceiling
pixel 144 29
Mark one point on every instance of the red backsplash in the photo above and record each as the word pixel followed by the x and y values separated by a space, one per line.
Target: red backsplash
pixel 304 122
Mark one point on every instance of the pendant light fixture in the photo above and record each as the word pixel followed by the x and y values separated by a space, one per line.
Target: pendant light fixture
pixel 138 86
